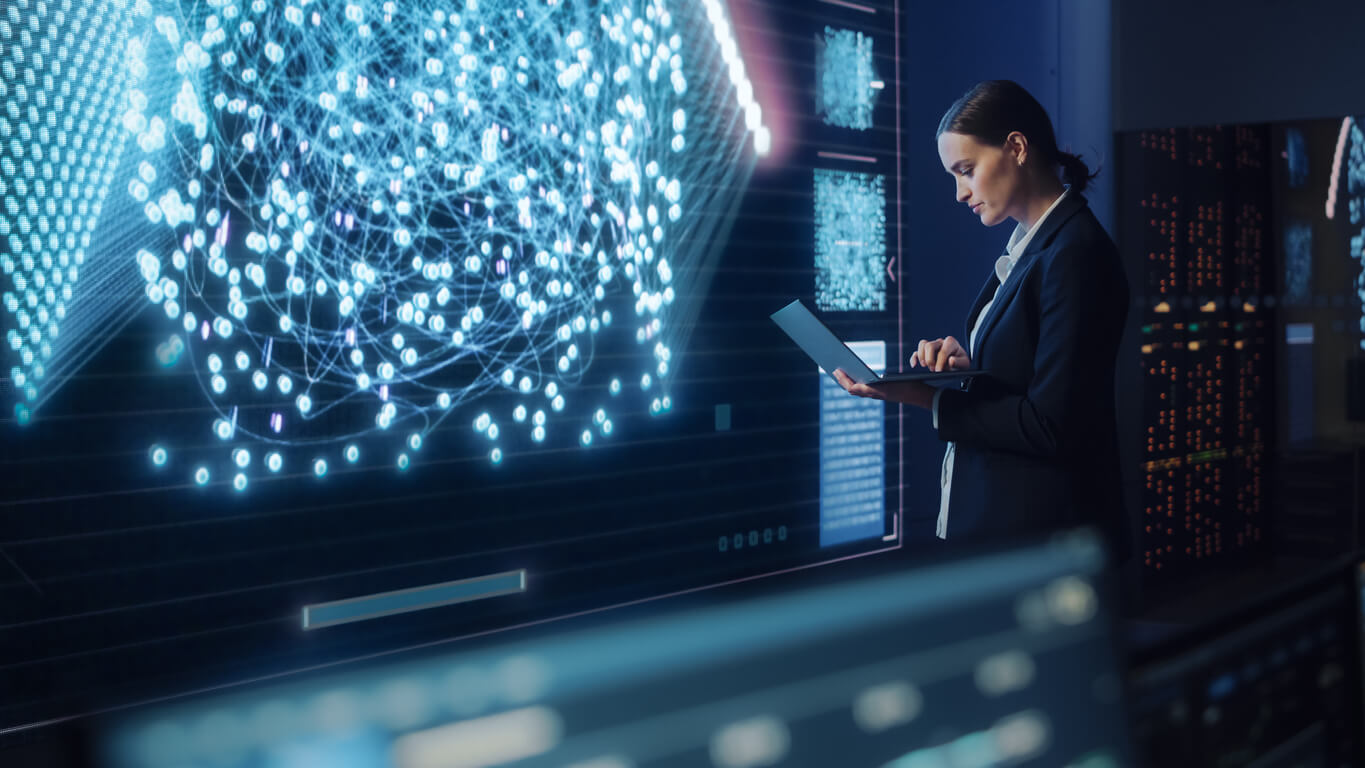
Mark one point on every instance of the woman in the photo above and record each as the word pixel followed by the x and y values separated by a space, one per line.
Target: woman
pixel 1033 445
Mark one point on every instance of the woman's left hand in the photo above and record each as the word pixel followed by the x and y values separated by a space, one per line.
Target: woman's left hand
pixel 909 392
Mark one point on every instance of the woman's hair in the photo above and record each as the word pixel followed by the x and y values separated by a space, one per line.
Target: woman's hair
pixel 993 109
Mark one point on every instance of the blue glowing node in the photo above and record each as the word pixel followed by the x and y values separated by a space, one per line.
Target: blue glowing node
pixel 274 461
pixel 168 352
pixel 495 456
pixel 319 467
pixel 201 476
pixel 352 453
pixel 158 456
pixel 850 241
pixel 460 193
pixel 241 457
pixel 239 482
pixel 403 461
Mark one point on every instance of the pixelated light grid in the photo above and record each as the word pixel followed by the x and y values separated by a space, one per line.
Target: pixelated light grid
pixel 1296 150
pixel 62 85
pixel 846 84
pixel 850 241
pixel 1355 190
pixel 1298 261
pixel 852 456
pixel 387 215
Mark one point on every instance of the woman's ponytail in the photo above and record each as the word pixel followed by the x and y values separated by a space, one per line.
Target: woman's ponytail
pixel 1074 171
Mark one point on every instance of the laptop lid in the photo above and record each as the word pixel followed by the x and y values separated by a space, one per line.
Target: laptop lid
pixel 819 342
pixel 829 352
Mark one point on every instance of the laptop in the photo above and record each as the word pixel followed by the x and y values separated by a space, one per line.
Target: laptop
pixel 829 352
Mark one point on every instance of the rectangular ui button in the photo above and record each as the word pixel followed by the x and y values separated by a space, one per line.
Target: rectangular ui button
pixel 414 599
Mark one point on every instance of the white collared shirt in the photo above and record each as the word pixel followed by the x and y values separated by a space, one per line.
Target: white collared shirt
pixel 1018 242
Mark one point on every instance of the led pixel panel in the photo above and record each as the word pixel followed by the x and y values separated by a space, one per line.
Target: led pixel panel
pixel 385 217
pixel 850 241
pixel 852 457
pixel 62 86
pixel 1355 189
pixel 1298 261
pixel 846 83
pixel 1296 150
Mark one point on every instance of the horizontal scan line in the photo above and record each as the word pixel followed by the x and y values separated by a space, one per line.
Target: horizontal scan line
pixel 854 6
pixel 412 599
pixel 842 156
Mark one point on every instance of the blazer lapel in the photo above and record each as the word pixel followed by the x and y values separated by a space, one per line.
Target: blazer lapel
pixel 1042 239
pixel 987 291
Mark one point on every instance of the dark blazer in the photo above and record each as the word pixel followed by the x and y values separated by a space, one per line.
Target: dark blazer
pixel 1036 440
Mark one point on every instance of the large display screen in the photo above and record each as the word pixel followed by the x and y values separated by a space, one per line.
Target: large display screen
pixel 1320 183
pixel 332 329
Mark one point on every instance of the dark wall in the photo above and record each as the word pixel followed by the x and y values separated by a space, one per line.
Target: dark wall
pixel 1178 62
pixel 1059 51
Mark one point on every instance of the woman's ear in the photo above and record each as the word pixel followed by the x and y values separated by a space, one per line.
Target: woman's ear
pixel 1016 144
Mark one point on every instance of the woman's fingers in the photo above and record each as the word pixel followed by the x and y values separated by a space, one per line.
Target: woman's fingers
pixel 855 388
pixel 927 352
pixel 941 360
pixel 944 354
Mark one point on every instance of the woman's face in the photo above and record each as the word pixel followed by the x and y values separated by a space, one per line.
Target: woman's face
pixel 988 177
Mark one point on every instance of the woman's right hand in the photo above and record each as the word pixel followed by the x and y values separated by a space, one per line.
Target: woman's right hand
pixel 944 354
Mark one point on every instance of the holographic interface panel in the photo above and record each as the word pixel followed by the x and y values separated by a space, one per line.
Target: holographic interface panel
pixel 440 316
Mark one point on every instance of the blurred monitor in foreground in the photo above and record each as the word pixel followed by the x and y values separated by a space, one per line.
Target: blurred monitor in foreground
pixel 1003 659
pixel 1276 687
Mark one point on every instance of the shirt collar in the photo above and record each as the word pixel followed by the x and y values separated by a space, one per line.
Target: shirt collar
pixel 1020 239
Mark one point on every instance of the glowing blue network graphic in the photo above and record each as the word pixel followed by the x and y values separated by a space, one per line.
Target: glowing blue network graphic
pixel 390 215
pixel 1355 189
pixel 850 241
pixel 846 83
pixel 62 86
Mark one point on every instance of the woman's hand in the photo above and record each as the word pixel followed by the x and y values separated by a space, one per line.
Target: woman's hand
pixel 908 392
pixel 944 354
